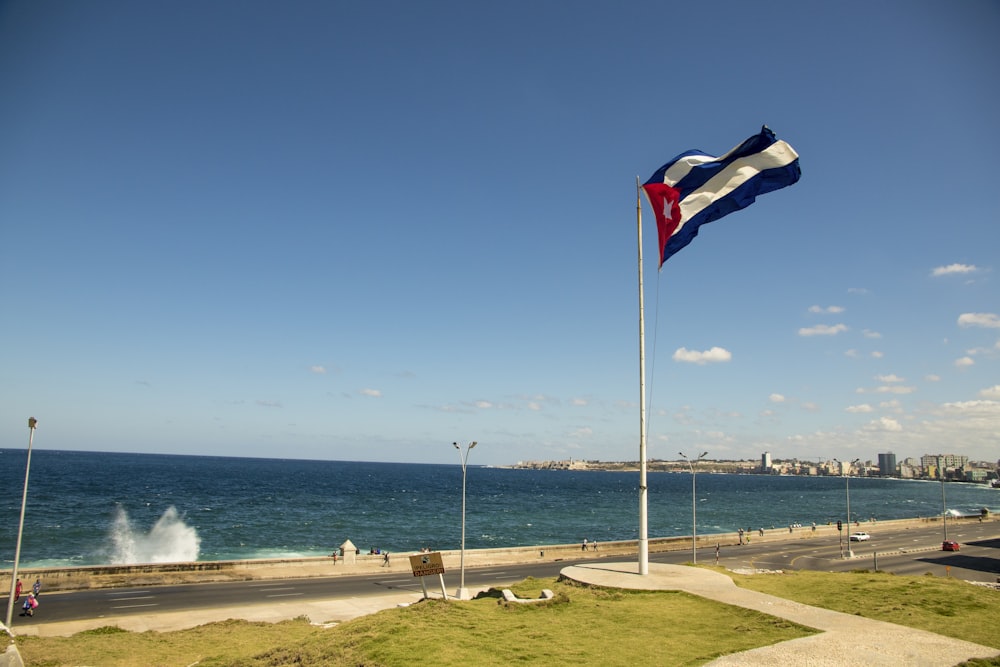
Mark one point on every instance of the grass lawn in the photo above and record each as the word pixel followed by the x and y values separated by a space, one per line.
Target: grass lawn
pixel 580 625
pixel 594 626
pixel 948 607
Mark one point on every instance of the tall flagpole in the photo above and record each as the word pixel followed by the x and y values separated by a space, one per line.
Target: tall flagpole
pixel 643 520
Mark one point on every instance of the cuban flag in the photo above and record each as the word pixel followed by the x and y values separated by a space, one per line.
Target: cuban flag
pixel 696 188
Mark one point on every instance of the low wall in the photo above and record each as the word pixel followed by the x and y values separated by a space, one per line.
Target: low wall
pixel 113 576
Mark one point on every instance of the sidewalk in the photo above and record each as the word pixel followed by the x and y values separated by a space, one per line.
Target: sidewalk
pixel 845 640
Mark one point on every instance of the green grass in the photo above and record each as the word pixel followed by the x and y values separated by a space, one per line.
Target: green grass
pixel 581 624
pixel 948 607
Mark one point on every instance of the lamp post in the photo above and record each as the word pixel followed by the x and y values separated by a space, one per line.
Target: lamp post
pixel 944 505
pixel 32 422
pixel 847 480
pixel 694 511
pixel 463 592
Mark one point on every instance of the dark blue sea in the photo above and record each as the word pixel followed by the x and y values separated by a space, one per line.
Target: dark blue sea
pixel 87 508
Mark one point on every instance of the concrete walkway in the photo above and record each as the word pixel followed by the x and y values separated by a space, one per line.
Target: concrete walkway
pixel 845 639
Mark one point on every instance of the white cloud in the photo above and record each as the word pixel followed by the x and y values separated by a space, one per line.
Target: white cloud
pixel 988 320
pixel 877 355
pixel 834 310
pixel 319 370
pixel 776 398
pixel 579 402
pixel 932 378
pixel 864 407
pixel 823 330
pixel 714 355
pixel 268 404
pixel 868 333
pixel 484 405
pixel 852 353
pixel 965 362
pixel 953 268
pixel 894 389
pixel 887 389
pixel 889 378
pixel 992 393
pixel 973 408
pixel 884 424
pixel 374 393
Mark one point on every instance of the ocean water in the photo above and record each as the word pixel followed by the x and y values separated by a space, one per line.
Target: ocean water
pixel 87 508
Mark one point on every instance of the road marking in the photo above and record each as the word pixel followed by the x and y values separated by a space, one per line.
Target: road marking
pixel 283 595
pixel 137 597
pixel 133 606
pixel 279 588
pixel 114 593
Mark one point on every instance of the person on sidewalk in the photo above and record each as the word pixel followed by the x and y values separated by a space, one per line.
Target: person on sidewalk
pixel 36 587
pixel 17 591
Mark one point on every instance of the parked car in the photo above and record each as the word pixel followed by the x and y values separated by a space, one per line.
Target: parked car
pixel 949 545
pixel 860 537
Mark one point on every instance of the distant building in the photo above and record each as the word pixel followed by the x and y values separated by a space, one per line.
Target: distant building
pixel 887 464
pixel 935 465
pixel 765 462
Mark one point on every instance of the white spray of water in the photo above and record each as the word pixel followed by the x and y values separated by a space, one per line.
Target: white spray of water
pixel 170 540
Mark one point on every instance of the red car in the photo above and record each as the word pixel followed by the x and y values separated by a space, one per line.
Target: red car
pixel 949 545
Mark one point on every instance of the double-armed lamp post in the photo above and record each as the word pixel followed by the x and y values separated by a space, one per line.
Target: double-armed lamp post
pixel 463 592
pixel 847 479
pixel 694 511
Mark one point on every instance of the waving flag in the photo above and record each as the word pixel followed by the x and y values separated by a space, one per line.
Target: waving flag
pixel 696 188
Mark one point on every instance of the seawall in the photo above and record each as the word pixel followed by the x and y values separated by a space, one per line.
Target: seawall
pixel 151 574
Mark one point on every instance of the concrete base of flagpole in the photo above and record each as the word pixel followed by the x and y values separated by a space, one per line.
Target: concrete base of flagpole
pixel 463 594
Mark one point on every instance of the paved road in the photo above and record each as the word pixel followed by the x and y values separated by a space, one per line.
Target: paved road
pixel 911 551
pixel 914 551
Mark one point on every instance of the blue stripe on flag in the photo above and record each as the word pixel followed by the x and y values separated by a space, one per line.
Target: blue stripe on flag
pixel 711 187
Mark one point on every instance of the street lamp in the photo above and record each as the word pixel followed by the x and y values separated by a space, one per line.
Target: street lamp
pixel 847 480
pixel 463 592
pixel 944 505
pixel 694 512
pixel 32 422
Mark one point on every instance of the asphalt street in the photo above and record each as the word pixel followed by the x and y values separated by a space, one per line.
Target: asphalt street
pixel 912 551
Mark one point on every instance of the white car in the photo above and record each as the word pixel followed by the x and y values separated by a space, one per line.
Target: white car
pixel 860 537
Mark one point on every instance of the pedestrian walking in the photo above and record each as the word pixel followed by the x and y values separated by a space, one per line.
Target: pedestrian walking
pixel 17 591
pixel 385 559
pixel 36 588
pixel 583 547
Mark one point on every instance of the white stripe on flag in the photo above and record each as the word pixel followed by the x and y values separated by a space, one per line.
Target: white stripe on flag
pixel 778 154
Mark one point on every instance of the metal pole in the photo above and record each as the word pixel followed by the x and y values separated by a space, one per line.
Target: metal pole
pixel 32 422
pixel 944 505
pixel 643 489
pixel 694 510
pixel 850 551
pixel 463 593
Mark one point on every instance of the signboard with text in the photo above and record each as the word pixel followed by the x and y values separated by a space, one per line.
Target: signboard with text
pixel 424 565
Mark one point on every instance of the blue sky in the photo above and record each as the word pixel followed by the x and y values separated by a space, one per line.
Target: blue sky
pixel 363 231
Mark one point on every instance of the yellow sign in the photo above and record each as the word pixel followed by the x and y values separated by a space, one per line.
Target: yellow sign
pixel 426 564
